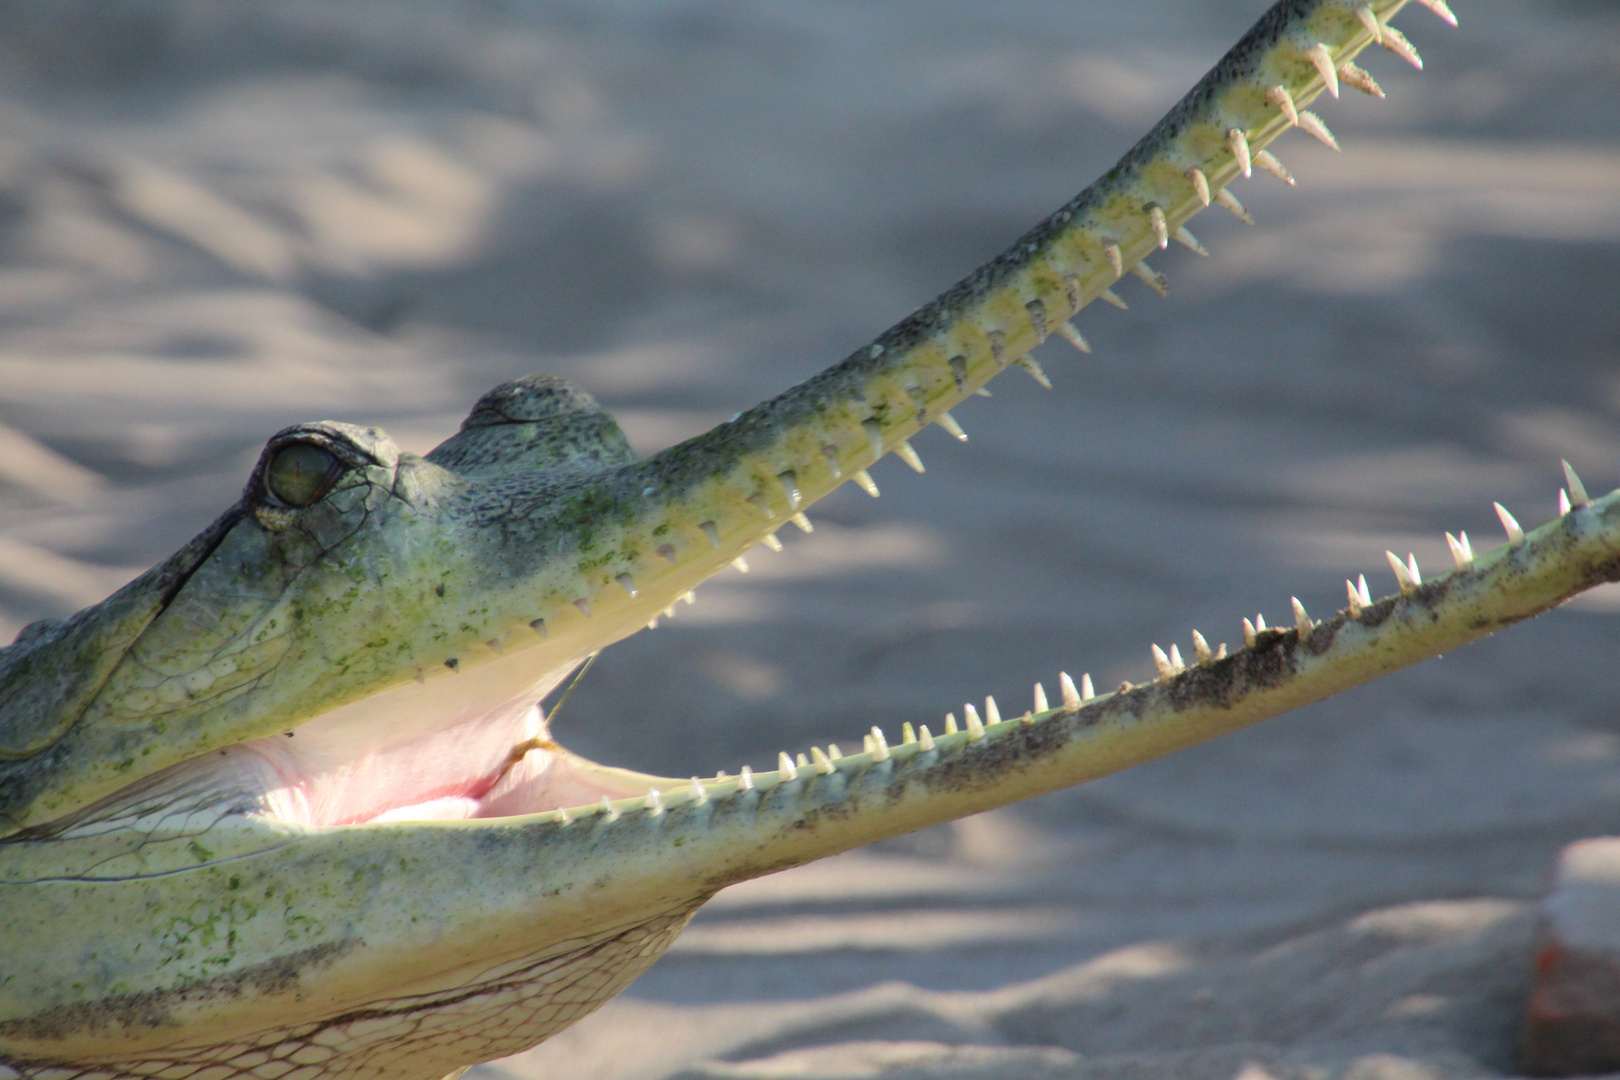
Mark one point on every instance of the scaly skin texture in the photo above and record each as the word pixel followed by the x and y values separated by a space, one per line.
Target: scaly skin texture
pixel 155 923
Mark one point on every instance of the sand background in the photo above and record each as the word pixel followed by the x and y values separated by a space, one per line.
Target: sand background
pixel 218 218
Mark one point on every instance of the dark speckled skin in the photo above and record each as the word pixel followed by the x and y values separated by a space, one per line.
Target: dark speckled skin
pixel 156 934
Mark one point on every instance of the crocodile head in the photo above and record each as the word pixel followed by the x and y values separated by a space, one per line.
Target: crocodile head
pixel 285 805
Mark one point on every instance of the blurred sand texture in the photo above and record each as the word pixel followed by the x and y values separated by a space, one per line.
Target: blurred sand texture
pixel 220 217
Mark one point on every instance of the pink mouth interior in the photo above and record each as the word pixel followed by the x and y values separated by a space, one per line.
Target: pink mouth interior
pixel 335 774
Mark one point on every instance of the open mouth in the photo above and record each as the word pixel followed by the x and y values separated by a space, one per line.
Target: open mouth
pixel 453 748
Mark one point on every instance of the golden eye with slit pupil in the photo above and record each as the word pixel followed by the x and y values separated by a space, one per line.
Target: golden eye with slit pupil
pixel 300 473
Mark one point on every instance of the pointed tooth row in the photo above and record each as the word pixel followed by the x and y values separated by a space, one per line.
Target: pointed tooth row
pixel 1054 275
pixel 1168 664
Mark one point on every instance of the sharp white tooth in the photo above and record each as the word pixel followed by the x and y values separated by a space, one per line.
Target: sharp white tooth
pixel 745 779
pixel 629 585
pixel 925 740
pixel 1360 78
pixel 667 553
pixel 1109 296
pixel 1176 661
pixel 992 715
pixel 874 438
pixel 983 391
pixel 1040 699
pixel 975 726
pixel 1227 201
pixel 1403 577
pixel 1440 8
pixel 823 763
pixel 908 455
pixel 760 503
pixel 741 564
pixel 1462 553
pixel 952 428
pixel 1323 61
pixel 908 734
pixel 669 612
pixel 1249 633
pixel 866 483
pixel 1200 184
pixel 1310 122
pixel 830 452
pixel 880 745
pixel 690 596
pixel 802 760
pixel 1036 372
pixel 564 817
pixel 1361 588
pixel 803 523
pixel 721 774
pixel 700 794
pixel 1302 621
pixel 1201 648
pixel 785 767
pixel 652 623
pixel 833 751
pixel 1280 97
pixel 607 808
pixel 1396 42
pixel 1412 569
pixel 1355 601
pixel 584 606
pixel 950 723
pixel 1071 696
pixel 538 626
pixel 1087 691
pixel 1268 161
pixel 1239 143
pixel 1259 623
pixel 1577 490
pixel 1155 280
pixel 1186 239
pixel 1369 19
pixel 772 541
pixel 1563 502
pixel 1220 651
pixel 790 487
pixel 1116 258
pixel 867 745
pixel 1162 663
pixel 1161 227
pixel 711 531
pixel 653 800
pixel 1515 535
pixel 1072 336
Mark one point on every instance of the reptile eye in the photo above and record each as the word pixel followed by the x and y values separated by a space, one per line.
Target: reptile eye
pixel 300 473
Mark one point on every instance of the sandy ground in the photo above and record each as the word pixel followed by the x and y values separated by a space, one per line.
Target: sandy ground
pixel 218 218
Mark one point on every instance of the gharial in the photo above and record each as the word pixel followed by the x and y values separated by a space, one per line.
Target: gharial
pixel 421 879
